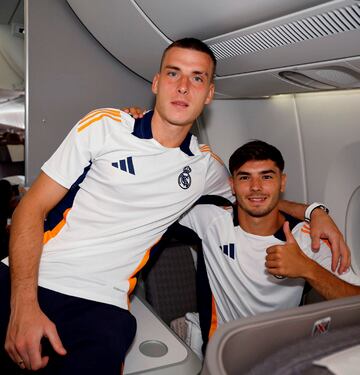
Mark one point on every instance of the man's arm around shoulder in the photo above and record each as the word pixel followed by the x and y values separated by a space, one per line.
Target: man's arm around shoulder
pixel 28 324
pixel 322 227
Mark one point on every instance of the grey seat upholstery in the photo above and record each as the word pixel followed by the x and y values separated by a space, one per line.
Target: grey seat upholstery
pixel 297 358
pixel 238 346
pixel 170 282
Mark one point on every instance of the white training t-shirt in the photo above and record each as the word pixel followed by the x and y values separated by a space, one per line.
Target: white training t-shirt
pixel 130 190
pixel 235 264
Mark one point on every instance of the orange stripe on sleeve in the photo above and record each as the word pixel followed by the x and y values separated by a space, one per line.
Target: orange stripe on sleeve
pixel 305 231
pixel 214 322
pixel 305 228
pixel 206 148
pixel 48 235
pixel 84 126
pixel 114 112
pixel 326 242
pixel 216 157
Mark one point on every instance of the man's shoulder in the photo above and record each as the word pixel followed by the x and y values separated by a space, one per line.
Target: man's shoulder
pixel 211 212
pixel 301 233
pixel 208 152
pixel 206 218
pixel 110 116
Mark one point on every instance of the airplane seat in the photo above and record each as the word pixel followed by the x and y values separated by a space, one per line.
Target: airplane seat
pixel 156 349
pixel 170 282
pixel 168 292
pixel 177 286
pixel 284 340
pixel 299 357
pixel 311 296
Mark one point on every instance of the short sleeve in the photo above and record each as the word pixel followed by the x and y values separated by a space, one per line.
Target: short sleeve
pixel 81 146
pixel 200 218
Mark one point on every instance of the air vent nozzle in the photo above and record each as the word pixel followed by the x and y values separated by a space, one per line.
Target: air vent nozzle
pixel 305 81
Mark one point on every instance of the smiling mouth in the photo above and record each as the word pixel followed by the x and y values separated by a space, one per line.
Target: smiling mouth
pixel 257 199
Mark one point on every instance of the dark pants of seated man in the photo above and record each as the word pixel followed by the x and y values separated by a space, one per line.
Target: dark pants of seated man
pixel 95 335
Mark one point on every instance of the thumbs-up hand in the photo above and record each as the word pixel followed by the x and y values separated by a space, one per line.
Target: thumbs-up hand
pixel 286 260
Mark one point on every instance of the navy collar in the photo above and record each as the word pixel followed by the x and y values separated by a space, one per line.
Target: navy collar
pixel 279 234
pixel 142 130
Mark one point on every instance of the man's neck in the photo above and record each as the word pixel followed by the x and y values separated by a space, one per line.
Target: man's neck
pixel 167 134
pixel 261 226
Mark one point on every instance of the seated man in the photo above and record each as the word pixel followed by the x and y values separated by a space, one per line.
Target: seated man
pixel 258 259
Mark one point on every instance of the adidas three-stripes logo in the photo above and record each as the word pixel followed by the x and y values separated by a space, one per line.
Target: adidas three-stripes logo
pixel 228 250
pixel 125 165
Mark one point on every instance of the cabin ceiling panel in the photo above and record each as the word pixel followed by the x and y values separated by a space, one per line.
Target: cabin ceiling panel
pixel 125 32
pixel 203 19
pixel 7 9
pixel 341 46
pixel 248 36
pixel 19 13
pixel 355 63
pixel 326 32
pixel 255 85
pixel 339 74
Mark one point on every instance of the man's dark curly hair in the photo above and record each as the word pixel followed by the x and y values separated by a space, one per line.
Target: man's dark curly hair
pixel 255 150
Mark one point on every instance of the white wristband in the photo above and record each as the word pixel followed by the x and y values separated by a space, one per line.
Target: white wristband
pixel 312 207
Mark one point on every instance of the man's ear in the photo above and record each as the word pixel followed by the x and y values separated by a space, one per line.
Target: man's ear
pixel 210 95
pixel 155 82
pixel 283 182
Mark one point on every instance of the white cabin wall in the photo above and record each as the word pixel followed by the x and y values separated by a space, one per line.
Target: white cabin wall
pixel 319 136
pixel 69 74
pixel 331 134
pixel 230 123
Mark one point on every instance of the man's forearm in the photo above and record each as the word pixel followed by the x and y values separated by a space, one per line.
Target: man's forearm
pixel 27 323
pixel 26 237
pixel 294 209
pixel 24 255
pixel 327 284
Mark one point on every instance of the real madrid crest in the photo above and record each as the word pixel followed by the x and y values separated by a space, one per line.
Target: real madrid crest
pixel 184 179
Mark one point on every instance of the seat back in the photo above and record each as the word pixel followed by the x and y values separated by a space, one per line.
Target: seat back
pixel 170 282
pixel 238 346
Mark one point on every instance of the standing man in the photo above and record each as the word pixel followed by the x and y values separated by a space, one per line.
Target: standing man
pixel 108 194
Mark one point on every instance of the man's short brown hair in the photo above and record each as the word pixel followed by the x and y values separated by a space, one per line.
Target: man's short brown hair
pixel 194 44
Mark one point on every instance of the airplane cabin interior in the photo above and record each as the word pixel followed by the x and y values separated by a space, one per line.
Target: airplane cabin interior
pixel 288 73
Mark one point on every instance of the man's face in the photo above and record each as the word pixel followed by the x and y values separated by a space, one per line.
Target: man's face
pixel 257 186
pixel 183 86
